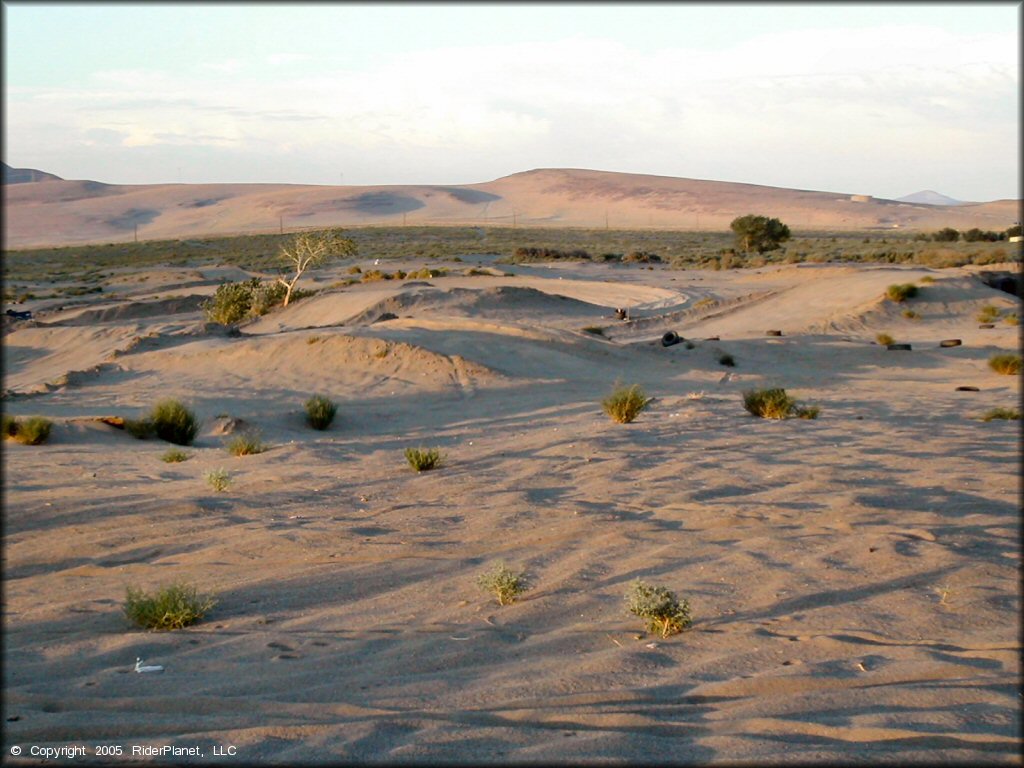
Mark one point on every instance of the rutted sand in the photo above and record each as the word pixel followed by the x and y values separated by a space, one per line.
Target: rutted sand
pixel 854 579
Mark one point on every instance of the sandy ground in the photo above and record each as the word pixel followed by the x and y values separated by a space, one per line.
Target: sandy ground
pixel 854 579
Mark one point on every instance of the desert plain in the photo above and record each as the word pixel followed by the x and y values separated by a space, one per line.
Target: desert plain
pixel 854 579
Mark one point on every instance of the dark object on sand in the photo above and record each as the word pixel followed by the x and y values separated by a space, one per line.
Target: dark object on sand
pixel 983 325
pixel 669 338
pixel 773 333
pixel 26 315
pixel 622 314
pixel 967 389
pixel 385 316
pixel 897 346
pixel 950 343
pixel 712 338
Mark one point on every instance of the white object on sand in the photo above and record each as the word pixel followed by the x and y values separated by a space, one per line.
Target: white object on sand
pixel 150 668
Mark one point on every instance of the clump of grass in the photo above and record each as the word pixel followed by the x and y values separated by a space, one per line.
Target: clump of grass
pixel 34 430
pixel 1012 319
pixel 312 339
pixel 769 403
pixel 988 314
pixel 806 411
pixel 424 459
pixel 245 444
pixel 927 279
pixel 173 607
pixel 140 429
pixel 624 404
pixel 659 607
pixel 506 585
pixel 1011 414
pixel 218 479
pixel 320 412
pixel 901 292
pixel 1006 364
pixel 727 360
pixel 885 339
pixel 175 456
pixel 910 314
pixel 173 422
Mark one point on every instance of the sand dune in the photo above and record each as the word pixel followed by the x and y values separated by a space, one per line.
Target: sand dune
pixel 67 212
pixel 854 579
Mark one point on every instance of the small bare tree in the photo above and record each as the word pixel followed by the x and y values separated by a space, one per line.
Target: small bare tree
pixel 310 249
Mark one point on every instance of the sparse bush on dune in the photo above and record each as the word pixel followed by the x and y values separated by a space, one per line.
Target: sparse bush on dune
pixel 140 429
pixel 900 292
pixel 424 459
pixel 506 585
pixel 174 456
pixel 663 612
pixel 885 339
pixel 1011 414
pixel 245 444
pixel 774 403
pixel 624 404
pixel 988 314
pixel 320 411
pixel 218 479
pixel 34 430
pixel 173 422
pixel 727 360
pixel 173 607
pixel 1007 364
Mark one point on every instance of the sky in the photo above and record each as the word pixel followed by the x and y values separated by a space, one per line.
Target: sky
pixel 880 99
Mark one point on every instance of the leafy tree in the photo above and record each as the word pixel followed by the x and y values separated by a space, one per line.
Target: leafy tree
pixel 1013 231
pixel 759 233
pixel 310 249
pixel 946 235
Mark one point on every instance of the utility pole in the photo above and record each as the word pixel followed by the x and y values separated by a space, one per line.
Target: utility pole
pixel 136 233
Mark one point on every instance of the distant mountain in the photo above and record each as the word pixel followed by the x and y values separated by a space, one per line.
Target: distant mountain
pixel 929 197
pixel 24 175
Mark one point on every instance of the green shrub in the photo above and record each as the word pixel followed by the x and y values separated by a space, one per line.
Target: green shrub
pixel 31 431
pixel 988 314
pixel 910 314
pixel 927 280
pixel 1006 364
pixel 218 479
pixel 231 303
pixel 901 292
pixel 769 403
pixel 245 444
pixel 1001 413
pixel 172 607
pixel 807 411
pixel 1012 319
pixel 885 339
pixel 624 404
pixel 423 459
pixel 10 426
pixel 173 422
pixel 174 456
pixel 726 360
pixel 504 584
pixel 659 607
pixel 140 429
pixel 320 412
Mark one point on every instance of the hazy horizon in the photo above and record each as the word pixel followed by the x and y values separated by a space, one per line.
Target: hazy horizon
pixel 885 100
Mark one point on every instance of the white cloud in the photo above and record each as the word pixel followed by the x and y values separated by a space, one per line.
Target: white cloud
pixel 845 98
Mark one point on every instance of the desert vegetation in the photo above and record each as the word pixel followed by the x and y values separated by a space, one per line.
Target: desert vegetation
pixel 246 443
pixel 659 607
pixel 172 421
pixel 774 403
pixel 900 292
pixel 175 456
pixel 424 459
pixel 505 584
pixel 1010 414
pixel 884 339
pixel 218 479
pixel 172 607
pixel 34 430
pixel 624 403
pixel 759 233
pixel 1007 364
pixel 320 411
